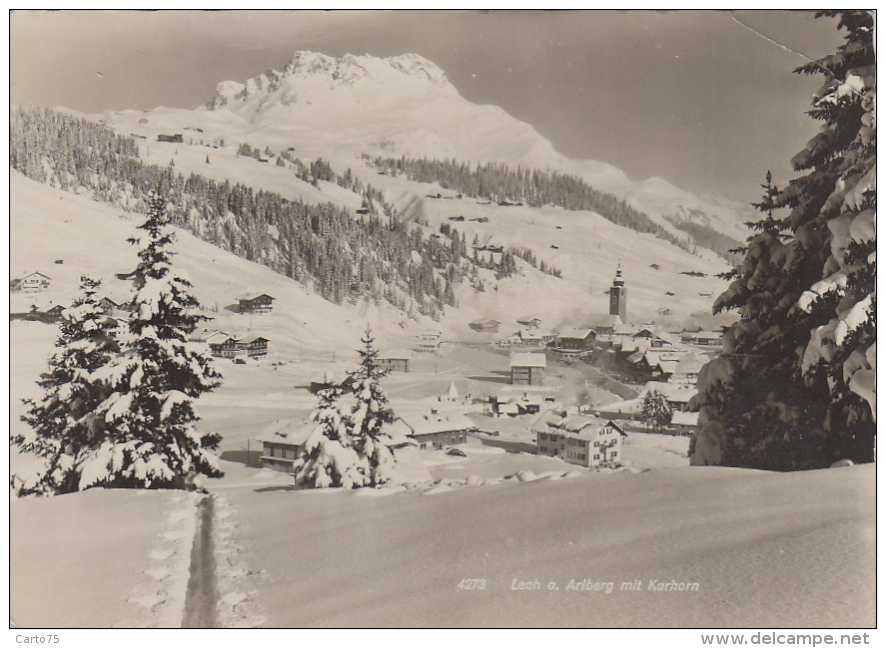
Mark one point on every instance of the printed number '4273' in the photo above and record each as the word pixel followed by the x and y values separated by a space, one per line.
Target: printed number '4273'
pixel 472 584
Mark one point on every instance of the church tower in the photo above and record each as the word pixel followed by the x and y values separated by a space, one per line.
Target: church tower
pixel 618 297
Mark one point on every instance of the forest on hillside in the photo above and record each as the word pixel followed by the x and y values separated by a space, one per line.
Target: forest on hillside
pixel 376 256
pixel 499 183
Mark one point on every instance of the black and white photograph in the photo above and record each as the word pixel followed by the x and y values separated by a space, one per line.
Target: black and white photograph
pixel 484 319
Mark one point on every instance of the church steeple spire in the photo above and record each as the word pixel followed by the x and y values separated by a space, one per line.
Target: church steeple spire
pixel 618 296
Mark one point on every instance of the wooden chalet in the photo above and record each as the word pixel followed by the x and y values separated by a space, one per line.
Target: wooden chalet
pixel 528 368
pixel 574 342
pixel 34 282
pixel 281 442
pixel 255 303
pixel 429 341
pixel 227 347
pixel 437 430
pixel 485 325
pixel 256 346
pixel 394 360
pixel 177 138
pixel 529 320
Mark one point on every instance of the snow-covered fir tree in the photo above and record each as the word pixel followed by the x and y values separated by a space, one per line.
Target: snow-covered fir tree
pixel 328 458
pixel 152 439
pixel 350 445
pixel 794 387
pixel 65 432
pixel 656 411
pixel 370 415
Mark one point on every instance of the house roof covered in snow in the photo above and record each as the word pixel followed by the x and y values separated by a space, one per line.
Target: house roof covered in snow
pixel 251 296
pixel 529 360
pixel 292 432
pixel 600 320
pixel 676 392
pixel 35 274
pixel 421 424
pixel 687 419
pixel 691 363
pixel 582 425
pixel 576 333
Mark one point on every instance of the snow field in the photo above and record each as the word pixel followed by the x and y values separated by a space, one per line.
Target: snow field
pixel 161 593
pixel 235 607
pixel 344 560
pixel 99 559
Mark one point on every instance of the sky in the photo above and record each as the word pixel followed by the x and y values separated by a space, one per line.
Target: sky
pixel 693 97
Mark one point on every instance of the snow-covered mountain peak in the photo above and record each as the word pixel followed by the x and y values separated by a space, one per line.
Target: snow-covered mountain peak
pixel 310 77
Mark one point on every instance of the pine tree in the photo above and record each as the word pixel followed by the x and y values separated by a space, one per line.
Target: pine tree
pixel 656 411
pixel 328 458
pixel 65 432
pixel 794 387
pixel 152 439
pixel 350 446
pixel 370 415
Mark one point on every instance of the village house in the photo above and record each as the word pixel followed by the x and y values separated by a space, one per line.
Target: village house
pixel 51 314
pixel 518 400
pixel 178 138
pixel 579 439
pixel 485 325
pixel 529 320
pixel 677 395
pixel 436 430
pixel 108 305
pixel 227 347
pixel 34 282
pixel 529 338
pixel 394 360
pixel 256 346
pixel 528 368
pixel 255 303
pixel 281 442
pixel 204 335
pixel 687 368
pixel 709 338
pixel 428 341
pixel 684 422
pixel 572 343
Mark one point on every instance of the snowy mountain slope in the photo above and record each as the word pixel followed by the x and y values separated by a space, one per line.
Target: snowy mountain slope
pixel 48 224
pixel 339 108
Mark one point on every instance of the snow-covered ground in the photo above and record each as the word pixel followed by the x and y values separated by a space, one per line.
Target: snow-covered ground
pixel 100 558
pixel 765 549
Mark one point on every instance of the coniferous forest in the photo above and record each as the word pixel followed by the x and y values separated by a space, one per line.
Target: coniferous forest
pixel 344 258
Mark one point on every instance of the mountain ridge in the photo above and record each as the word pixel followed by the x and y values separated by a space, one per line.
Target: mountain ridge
pixel 351 95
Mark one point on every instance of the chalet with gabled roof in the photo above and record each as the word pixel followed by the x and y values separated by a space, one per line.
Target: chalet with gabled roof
pixel 437 430
pixel 485 325
pixel 34 282
pixel 227 346
pixel 255 303
pixel 256 346
pixel 529 320
pixel 394 360
pixel 281 442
